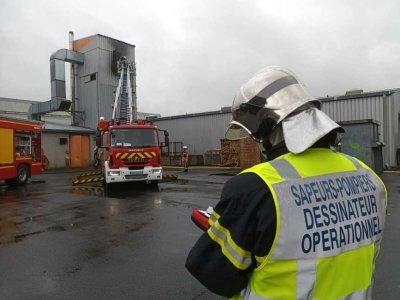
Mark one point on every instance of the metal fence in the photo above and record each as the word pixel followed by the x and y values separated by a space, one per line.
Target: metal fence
pixel 172 149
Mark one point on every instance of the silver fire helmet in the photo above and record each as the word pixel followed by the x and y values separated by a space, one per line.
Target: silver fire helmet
pixel 268 98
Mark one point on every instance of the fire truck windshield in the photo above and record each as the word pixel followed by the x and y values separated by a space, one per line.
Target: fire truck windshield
pixel 135 137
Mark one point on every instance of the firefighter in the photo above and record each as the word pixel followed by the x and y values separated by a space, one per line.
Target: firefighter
pixel 96 157
pixel 185 158
pixel 306 224
pixel 67 159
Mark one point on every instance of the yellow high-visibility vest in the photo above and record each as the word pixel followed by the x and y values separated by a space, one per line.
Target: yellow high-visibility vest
pixel 330 212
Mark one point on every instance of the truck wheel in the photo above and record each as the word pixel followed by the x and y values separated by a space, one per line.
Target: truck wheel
pixel 22 174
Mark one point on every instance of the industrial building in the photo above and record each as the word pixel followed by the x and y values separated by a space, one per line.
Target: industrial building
pixel 70 124
pixel 60 140
pixel 96 80
pixel 371 118
pixel 380 107
pixel 376 115
pixel 199 131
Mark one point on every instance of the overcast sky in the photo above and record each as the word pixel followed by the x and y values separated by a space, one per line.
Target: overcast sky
pixel 192 56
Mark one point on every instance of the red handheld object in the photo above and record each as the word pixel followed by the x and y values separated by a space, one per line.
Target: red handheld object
pixel 200 218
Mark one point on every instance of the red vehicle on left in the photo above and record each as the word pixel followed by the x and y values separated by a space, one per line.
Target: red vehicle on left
pixel 21 153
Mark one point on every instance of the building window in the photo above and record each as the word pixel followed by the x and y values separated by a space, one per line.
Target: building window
pixel 63 141
pixel 90 77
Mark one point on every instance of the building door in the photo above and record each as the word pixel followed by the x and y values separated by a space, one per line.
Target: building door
pixel 79 149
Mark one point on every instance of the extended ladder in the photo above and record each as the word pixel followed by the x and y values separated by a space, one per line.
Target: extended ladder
pixel 122 112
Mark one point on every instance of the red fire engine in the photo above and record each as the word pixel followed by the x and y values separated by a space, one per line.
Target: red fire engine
pixel 20 150
pixel 130 152
pixel 128 148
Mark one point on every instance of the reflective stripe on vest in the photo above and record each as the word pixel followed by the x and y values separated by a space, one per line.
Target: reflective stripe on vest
pixel 330 214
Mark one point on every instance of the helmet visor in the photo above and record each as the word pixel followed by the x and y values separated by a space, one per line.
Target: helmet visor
pixel 246 120
pixel 236 131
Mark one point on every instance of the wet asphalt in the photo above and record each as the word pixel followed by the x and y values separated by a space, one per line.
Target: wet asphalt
pixel 129 242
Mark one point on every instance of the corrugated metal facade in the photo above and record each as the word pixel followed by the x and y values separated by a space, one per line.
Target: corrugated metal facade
pixel 382 106
pixel 200 132
pixel 95 97
pixel 354 109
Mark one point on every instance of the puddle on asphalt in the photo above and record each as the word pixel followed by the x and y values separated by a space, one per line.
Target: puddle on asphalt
pixel 176 186
pixel 223 174
pixel 117 190
pixel 18 193
pixel 4 239
pixel 88 191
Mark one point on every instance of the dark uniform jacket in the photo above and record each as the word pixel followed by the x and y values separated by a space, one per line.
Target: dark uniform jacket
pixel 247 210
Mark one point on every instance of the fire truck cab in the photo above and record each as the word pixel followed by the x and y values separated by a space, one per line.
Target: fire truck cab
pixel 129 149
pixel 129 152
pixel 20 150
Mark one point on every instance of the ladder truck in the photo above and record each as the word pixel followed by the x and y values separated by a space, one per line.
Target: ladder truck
pixel 129 149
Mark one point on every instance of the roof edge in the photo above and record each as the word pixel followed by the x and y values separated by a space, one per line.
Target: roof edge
pixel 102 35
pixel 360 95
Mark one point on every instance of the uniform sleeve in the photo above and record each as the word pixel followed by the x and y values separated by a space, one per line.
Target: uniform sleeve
pixel 242 231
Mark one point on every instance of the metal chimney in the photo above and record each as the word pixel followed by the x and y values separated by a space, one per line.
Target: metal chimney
pixel 72 81
pixel 58 100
